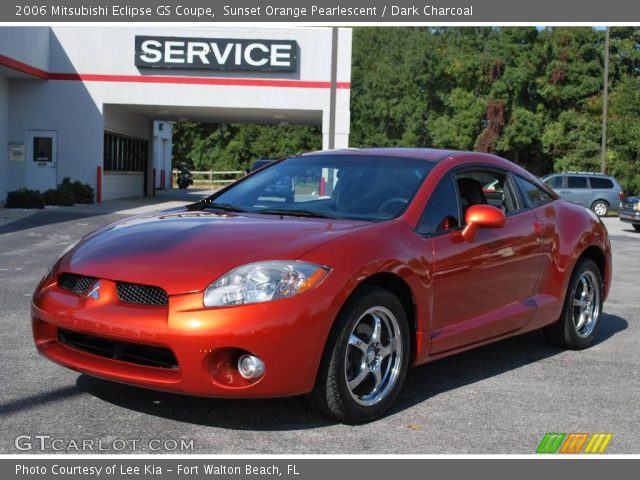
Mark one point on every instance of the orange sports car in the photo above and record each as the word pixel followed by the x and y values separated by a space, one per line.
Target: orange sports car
pixel 369 262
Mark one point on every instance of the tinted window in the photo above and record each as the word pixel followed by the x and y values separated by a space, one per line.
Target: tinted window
pixel 532 194
pixel 597 182
pixel 576 182
pixel 360 187
pixel 485 187
pixel 124 154
pixel 554 182
pixel 441 213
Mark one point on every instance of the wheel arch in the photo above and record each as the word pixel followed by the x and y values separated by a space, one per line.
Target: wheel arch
pixel 401 289
pixel 595 253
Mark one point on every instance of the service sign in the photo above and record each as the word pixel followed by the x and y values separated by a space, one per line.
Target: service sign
pixel 217 54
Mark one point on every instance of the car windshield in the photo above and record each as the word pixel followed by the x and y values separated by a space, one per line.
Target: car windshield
pixel 358 187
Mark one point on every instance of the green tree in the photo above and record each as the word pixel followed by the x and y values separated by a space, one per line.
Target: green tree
pixel 531 95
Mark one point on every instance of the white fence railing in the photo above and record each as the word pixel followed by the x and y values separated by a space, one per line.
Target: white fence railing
pixel 212 177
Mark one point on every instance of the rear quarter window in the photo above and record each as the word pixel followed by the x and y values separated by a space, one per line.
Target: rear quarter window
pixel 601 183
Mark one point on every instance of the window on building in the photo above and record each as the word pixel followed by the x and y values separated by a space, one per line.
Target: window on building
pixel 42 149
pixel 124 154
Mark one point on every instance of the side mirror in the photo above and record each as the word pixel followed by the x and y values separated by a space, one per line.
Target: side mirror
pixel 481 216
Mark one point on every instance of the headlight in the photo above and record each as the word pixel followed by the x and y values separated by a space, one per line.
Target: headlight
pixel 263 281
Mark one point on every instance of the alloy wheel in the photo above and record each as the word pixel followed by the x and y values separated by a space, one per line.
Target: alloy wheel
pixel 586 303
pixel 373 357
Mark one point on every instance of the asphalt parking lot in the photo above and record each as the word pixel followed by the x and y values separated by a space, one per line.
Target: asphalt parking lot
pixel 497 399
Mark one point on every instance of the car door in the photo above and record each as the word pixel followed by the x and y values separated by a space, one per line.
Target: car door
pixel 576 190
pixel 480 289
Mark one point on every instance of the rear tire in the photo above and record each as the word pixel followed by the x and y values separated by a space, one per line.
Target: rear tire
pixel 580 319
pixel 365 359
pixel 637 227
pixel 600 208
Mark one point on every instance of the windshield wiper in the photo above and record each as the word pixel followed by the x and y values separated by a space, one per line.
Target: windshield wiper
pixel 294 212
pixel 227 207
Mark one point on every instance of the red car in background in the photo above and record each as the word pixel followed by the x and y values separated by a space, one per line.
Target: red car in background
pixel 383 259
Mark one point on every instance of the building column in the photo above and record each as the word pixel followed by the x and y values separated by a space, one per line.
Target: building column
pixel 4 138
pixel 150 186
pixel 341 136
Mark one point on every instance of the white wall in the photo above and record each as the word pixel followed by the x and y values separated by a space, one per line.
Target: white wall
pixel 117 185
pixel 67 108
pixel 28 45
pixel 4 136
pixel 126 123
pixel 75 108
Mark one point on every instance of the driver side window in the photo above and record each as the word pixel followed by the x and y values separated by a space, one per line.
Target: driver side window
pixel 488 187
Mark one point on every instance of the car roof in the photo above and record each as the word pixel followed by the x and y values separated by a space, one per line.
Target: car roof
pixel 587 174
pixel 431 154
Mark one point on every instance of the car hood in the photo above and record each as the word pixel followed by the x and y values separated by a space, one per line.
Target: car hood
pixel 631 200
pixel 184 251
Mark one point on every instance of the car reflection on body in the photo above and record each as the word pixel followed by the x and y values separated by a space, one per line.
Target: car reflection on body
pixel 383 259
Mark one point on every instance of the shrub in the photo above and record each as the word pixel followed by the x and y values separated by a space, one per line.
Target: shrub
pixel 59 196
pixel 24 198
pixel 81 192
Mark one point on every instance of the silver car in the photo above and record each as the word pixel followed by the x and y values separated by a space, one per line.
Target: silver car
pixel 601 193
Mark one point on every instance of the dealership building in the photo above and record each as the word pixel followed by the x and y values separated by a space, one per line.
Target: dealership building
pixel 96 103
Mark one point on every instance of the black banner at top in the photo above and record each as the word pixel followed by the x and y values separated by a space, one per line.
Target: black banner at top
pixel 324 11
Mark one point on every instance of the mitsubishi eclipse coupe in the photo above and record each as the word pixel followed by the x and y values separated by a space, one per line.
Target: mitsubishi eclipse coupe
pixel 380 260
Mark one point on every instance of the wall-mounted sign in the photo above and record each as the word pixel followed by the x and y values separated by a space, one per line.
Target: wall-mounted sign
pixel 217 54
pixel 16 151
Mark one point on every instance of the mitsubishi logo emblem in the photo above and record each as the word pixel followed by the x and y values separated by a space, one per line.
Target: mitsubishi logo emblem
pixel 95 291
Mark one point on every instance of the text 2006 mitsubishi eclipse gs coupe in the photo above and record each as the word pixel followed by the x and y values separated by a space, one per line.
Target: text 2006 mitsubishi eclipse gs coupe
pixel 385 258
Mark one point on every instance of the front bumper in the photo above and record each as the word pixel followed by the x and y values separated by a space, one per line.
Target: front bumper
pixel 288 335
pixel 629 217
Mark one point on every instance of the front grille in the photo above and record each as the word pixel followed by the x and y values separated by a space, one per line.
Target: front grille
pixel 75 283
pixel 141 294
pixel 123 351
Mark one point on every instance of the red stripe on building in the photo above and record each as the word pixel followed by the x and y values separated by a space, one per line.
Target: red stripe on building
pixel 23 67
pixel 234 82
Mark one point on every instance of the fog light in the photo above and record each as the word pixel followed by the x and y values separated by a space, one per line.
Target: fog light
pixel 250 367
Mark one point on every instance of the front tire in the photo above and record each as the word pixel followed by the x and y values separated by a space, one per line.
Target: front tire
pixel 580 320
pixel 600 208
pixel 365 360
pixel 637 227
